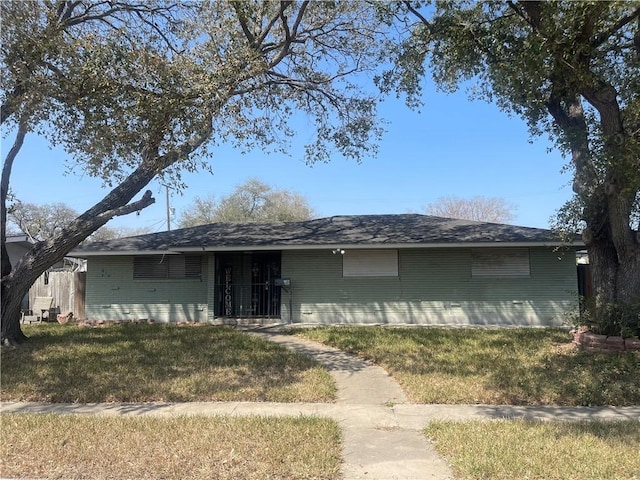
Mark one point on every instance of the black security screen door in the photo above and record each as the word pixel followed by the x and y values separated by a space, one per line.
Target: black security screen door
pixel 245 284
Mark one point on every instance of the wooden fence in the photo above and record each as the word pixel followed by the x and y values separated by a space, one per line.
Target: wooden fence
pixel 66 288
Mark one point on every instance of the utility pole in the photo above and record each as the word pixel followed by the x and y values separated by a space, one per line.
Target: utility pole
pixel 168 210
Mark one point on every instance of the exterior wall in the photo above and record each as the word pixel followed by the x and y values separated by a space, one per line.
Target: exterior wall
pixel 434 287
pixel 113 294
pixel 211 291
pixel 15 252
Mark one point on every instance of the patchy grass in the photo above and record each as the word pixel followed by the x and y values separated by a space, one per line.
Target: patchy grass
pixel 504 450
pixel 505 366
pixel 77 447
pixel 157 363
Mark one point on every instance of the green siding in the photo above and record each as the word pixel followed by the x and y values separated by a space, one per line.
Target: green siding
pixel 113 294
pixel 434 287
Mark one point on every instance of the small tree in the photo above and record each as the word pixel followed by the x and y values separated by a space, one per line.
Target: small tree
pixel 479 209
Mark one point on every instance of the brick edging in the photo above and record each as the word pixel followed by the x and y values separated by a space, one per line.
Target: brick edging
pixel 603 343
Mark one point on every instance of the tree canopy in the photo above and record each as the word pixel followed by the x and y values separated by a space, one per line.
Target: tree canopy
pixel 139 90
pixel 253 201
pixel 571 70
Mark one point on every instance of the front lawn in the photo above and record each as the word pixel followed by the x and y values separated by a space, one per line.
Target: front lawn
pixel 506 450
pixel 492 366
pixel 157 363
pixel 229 448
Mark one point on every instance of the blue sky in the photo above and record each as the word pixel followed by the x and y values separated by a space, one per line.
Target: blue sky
pixel 451 147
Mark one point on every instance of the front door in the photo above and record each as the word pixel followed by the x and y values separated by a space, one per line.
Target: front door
pixel 245 284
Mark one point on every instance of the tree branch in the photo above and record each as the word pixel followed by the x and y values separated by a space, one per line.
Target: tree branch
pixel 418 15
pixel 146 200
pixel 10 104
pixel 188 147
pixel 4 192
pixel 272 22
pixel 243 24
pixel 604 36
pixel 570 119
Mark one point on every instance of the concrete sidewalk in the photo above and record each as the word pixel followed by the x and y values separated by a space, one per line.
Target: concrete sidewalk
pixel 382 430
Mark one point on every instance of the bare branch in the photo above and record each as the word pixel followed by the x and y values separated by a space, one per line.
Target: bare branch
pixel 146 200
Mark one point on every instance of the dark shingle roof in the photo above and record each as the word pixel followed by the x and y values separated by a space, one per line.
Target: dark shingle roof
pixel 350 230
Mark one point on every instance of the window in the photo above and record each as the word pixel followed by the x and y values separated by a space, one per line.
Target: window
pixel 370 263
pixel 162 267
pixel 500 262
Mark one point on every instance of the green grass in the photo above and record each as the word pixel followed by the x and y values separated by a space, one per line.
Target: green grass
pixel 506 450
pixel 505 366
pixel 157 363
pixel 78 447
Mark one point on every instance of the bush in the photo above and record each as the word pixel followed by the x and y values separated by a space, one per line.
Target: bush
pixel 610 319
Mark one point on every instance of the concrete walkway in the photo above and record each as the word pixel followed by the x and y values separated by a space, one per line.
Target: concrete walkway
pixel 382 439
pixel 376 444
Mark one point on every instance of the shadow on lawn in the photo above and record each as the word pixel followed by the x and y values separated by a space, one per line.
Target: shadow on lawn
pixel 510 366
pixel 565 375
pixel 529 366
pixel 144 363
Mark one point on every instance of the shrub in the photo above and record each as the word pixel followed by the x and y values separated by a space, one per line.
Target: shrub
pixel 609 319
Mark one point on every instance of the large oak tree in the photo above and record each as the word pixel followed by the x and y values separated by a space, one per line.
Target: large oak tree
pixel 572 71
pixel 134 90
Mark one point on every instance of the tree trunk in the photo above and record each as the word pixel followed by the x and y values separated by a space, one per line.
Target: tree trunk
pixel 4 192
pixel 46 253
pixel 613 247
pixel 13 291
pixel 116 203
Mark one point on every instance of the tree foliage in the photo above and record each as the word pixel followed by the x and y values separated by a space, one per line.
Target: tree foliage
pixel 479 209
pixel 139 90
pixel 253 201
pixel 571 70
pixel 40 222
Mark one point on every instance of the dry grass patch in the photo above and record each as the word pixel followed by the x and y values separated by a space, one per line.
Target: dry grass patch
pixel 78 447
pixel 157 363
pixel 505 366
pixel 506 450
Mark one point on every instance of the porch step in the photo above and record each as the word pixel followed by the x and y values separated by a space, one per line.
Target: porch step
pixel 248 321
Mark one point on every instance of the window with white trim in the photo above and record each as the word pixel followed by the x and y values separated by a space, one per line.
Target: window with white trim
pixel 500 262
pixel 164 267
pixel 370 263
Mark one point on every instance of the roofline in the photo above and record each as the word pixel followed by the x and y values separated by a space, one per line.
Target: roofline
pixel 19 239
pixel 359 246
pixel 114 253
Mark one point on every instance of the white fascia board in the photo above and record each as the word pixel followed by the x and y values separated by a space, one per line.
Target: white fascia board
pixel 19 239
